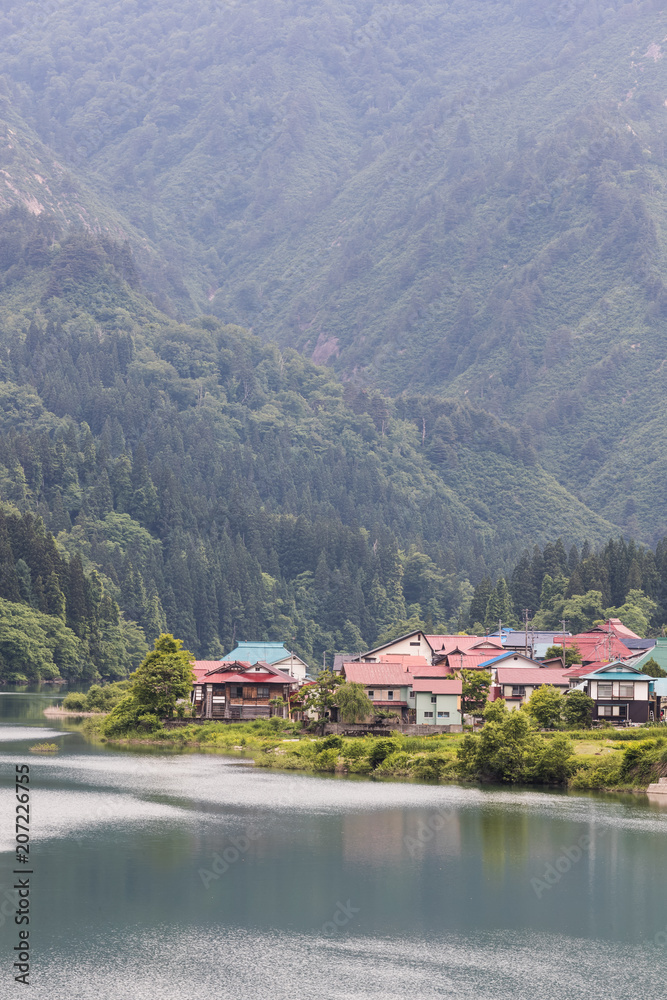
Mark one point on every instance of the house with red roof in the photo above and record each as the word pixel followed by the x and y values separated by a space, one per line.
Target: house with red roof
pixel 598 646
pixel 516 684
pixel 433 647
pixel 235 691
pixel 388 682
pixel 411 686
pixel 437 701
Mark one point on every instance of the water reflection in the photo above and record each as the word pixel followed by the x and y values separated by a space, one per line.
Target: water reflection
pixel 206 878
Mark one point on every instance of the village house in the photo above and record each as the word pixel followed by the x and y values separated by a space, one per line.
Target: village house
pixel 433 647
pixel 388 683
pixel 416 690
pixel 235 691
pixel 437 701
pixel 532 643
pixel 622 694
pixel 274 653
pixel 516 684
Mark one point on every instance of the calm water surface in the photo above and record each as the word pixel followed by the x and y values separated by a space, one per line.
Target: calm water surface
pixel 192 876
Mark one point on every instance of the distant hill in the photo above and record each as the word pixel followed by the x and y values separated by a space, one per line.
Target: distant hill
pixel 221 487
pixel 467 199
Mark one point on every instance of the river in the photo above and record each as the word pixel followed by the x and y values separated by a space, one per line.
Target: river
pixel 192 876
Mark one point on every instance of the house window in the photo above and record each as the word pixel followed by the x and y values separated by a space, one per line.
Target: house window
pixel 263 691
pixel 604 690
pixel 390 695
pixel 371 694
pixel 415 643
pixel 428 715
pixel 604 711
pixel 518 691
pixel 434 699
pixel 443 715
pixel 626 689
pixel 411 694
pixel 237 692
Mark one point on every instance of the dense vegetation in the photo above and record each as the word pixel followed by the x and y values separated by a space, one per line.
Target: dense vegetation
pixel 511 751
pixel 467 198
pixel 223 489
pixel 618 580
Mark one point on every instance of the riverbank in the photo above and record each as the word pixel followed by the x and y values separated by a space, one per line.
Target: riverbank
pixel 63 713
pixel 613 761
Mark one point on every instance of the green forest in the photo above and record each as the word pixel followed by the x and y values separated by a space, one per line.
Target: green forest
pixel 464 198
pixel 314 316
pixel 186 477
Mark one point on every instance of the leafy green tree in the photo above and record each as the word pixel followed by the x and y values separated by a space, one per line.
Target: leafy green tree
pixel 511 750
pixel 320 697
pixel 653 669
pixel 636 612
pixel 546 705
pixel 572 654
pixel 475 690
pixel 401 627
pixel 164 677
pixel 495 711
pixel 353 703
pixel 499 607
pixel 578 710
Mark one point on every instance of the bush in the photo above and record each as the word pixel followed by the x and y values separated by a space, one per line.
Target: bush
pixel 330 743
pixel 355 749
pixel 326 760
pixel 129 715
pixel 74 702
pixel 398 762
pixel 431 767
pixel 593 772
pixel 380 749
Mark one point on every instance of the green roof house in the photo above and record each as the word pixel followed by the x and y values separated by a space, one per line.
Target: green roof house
pixel 274 653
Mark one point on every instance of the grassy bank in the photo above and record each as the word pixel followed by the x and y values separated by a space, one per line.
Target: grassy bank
pixel 624 760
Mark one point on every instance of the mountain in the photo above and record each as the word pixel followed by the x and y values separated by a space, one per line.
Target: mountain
pixel 457 209
pixel 224 488
pixel 466 199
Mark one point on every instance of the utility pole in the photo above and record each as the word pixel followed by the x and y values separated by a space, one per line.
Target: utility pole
pixel 563 624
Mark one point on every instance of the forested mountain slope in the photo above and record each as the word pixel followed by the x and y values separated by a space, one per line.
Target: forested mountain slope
pixel 226 489
pixel 467 198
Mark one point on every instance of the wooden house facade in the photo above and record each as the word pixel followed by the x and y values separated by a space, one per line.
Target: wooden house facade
pixel 238 692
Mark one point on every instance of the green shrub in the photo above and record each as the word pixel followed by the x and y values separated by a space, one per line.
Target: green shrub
pixel 430 767
pixel 330 743
pixel 596 772
pixel 326 760
pixel 380 749
pixel 396 763
pixel 355 749
pixel 74 702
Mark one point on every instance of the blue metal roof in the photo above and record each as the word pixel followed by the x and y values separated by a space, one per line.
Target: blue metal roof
pixel 253 652
pixel 509 655
pixel 615 675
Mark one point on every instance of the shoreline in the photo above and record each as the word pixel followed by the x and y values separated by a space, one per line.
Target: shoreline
pixel 62 713
pixel 387 775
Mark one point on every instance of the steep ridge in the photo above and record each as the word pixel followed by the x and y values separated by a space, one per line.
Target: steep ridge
pixel 222 487
pixel 464 200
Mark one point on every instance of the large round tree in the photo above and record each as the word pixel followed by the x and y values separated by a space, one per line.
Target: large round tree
pixel 163 677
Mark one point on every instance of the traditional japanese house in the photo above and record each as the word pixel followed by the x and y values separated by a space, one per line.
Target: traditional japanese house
pixel 236 691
